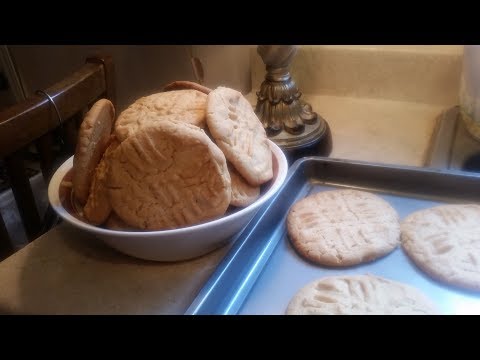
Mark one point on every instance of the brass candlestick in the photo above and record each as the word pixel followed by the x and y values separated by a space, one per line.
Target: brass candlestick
pixel 288 120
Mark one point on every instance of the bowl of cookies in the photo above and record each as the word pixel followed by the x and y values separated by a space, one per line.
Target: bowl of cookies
pixel 174 176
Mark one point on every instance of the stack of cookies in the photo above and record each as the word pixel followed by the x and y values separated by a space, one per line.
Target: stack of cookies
pixel 170 160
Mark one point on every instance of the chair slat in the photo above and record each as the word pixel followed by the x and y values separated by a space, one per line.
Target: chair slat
pixel 80 116
pixel 45 149
pixel 70 133
pixel 6 247
pixel 109 71
pixel 23 194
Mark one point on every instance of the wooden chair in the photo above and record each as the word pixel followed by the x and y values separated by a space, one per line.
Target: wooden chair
pixel 57 110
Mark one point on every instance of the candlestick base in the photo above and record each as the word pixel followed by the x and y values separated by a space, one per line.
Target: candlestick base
pixel 289 121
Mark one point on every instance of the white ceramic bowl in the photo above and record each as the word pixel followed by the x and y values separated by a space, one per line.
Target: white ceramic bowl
pixel 170 245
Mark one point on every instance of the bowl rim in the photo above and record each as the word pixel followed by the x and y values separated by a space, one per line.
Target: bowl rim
pixel 55 203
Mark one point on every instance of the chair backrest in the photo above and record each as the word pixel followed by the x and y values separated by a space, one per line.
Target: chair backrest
pixel 57 110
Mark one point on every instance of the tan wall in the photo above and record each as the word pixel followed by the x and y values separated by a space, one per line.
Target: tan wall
pixel 140 70
pixel 419 73
pixel 225 65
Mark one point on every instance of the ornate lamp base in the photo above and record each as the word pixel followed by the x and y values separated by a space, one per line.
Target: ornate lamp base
pixel 312 135
pixel 316 141
pixel 289 121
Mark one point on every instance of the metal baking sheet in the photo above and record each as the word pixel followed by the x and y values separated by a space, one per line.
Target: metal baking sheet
pixel 262 272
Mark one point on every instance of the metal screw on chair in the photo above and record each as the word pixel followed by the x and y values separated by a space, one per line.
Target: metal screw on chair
pixel 51 219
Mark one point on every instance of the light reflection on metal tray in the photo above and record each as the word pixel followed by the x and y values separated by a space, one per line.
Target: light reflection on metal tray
pixel 262 272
